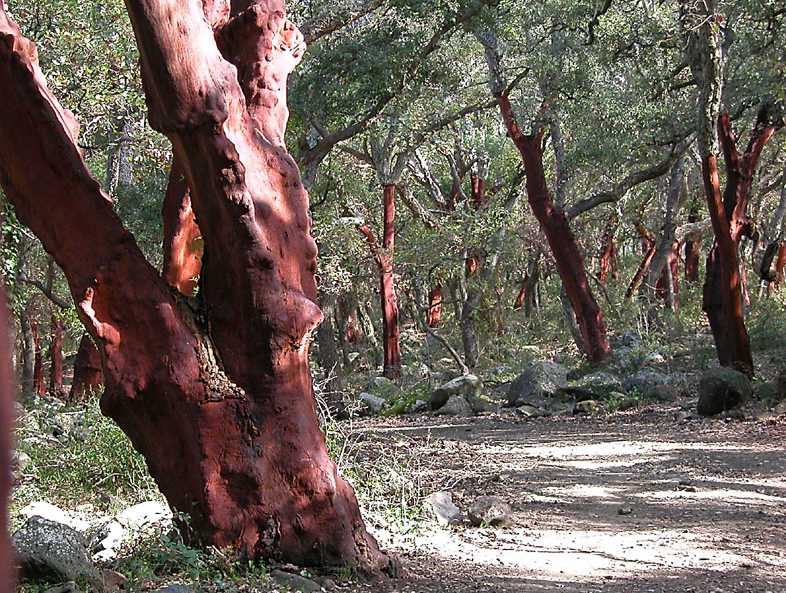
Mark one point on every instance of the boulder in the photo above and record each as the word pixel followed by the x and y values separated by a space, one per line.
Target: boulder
pixel 597 385
pixel 468 386
pixel 444 510
pixel 384 388
pixel 48 547
pixel 176 589
pixel 650 383
pixel 489 510
pixel 372 403
pixel 457 405
pixel 722 389
pixel 48 511
pixel 540 381
pixel 145 514
pixel 587 407
pixel 294 582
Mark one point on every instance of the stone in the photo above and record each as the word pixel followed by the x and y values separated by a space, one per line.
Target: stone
pixel 50 512
pixel 780 409
pixel 418 406
pixel 107 540
pixel 384 388
pixel 295 582
pixel 468 386
pixel 20 461
pixel 597 385
pixel 529 411
pixel 722 389
pixel 457 405
pixel 145 514
pixel 540 381
pixel 588 407
pixel 490 510
pixel 780 386
pixel 67 587
pixel 372 403
pixel 176 589
pixel 647 382
pixel 653 359
pixel 444 510
pixel 45 546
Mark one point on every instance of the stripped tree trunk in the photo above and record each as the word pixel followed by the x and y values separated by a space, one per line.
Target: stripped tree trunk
pixel 28 350
pixel 182 237
pixel 219 401
pixel 570 262
pixel 434 315
pixel 607 266
pixel 88 372
pixel 693 247
pixel 39 388
pixel 56 357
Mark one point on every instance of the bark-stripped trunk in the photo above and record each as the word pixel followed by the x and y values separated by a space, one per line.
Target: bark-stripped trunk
pixel 570 262
pixel 383 257
pixel 434 315
pixel 88 372
pixel 663 277
pixel 607 266
pixel 57 334
pixel 780 266
pixel 724 294
pixel 521 295
pixel 220 402
pixel 39 387
pixel 182 237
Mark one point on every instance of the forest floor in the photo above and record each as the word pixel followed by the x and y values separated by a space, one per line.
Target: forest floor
pixel 641 501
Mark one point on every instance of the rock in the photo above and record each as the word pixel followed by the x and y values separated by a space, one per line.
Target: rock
pixel 780 409
pixel 44 546
pixel 490 510
pixel 529 411
pixel 295 582
pixel 541 380
pixel 650 383
pixel 418 406
pixel 107 540
pixel 457 405
pixel 627 339
pixel 766 391
pixel 597 385
pixel 176 589
pixel 384 388
pixel 45 510
pixel 468 386
pixel 444 510
pixel 145 514
pixel 722 389
pixel 589 407
pixel 653 359
pixel 780 386
pixel 67 587
pixel 20 461
pixel 624 511
pixel 372 403
pixel 113 580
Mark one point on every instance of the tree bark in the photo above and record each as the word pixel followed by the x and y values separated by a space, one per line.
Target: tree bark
pixel 693 248
pixel 88 372
pixel 434 315
pixel 7 554
pixel 39 388
pixel 28 350
pixel 57 333
pixel 570 262
pixel 607 266
pixel 219 401
pixel 182 238
pixel 383 257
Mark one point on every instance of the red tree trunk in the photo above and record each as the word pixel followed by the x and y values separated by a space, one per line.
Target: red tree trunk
pixel 182 237
pixel 88 372
pixel 434 315
pixel 39 387
pixel 390 330
pixel 570 263
pixel 219 402
pixel 723 294
pixel 780 266
pixel 478 184
pixel 56 358
pixel 521 297
pixel 608 256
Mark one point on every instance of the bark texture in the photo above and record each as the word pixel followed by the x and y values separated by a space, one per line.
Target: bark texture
pixel 39 388
pixel 182 237
pixel 57 333
pixel 219 400
pixel 434 315
pixel 88 372
pixel 569 260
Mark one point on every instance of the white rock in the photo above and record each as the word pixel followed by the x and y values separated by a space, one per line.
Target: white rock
pixel 144 514
pixel 41 508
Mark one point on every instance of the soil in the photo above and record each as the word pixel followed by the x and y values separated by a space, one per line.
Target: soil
pixel 638 502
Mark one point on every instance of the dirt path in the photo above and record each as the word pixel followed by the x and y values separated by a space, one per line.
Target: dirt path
pixel 704 504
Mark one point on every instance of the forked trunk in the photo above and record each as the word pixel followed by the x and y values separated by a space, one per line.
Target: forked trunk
pixel 88 372
pixel 219 400
pixel 570 262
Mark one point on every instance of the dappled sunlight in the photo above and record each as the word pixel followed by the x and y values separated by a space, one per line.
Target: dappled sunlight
pixel 721 495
